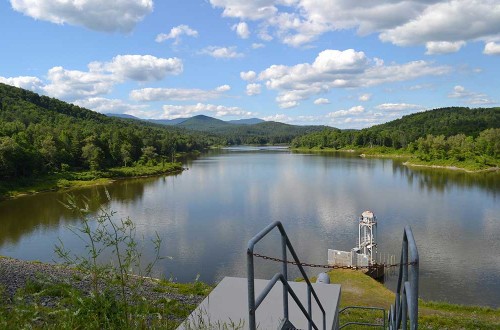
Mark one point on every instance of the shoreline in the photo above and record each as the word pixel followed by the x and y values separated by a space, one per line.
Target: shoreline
pixel 452 168
pixel 362 153
pixel 16 276
pixel 51 289
pixel 76 184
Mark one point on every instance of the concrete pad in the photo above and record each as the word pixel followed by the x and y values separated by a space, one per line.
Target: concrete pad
pixel 228 304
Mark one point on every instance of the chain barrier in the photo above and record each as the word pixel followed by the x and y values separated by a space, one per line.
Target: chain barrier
pixel 304 264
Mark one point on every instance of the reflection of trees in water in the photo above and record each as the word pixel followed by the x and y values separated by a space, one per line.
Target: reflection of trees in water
pixel 440 179
pixel 130 189
pixel 24 215
pixel 341 160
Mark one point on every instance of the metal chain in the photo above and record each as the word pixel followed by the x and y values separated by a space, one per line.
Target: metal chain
pixel 304 264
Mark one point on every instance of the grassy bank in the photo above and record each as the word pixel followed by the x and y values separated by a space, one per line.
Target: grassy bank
pixel 56 303
pixel 360 290
pixel 467 165
pixel 68 180
pixel 55 297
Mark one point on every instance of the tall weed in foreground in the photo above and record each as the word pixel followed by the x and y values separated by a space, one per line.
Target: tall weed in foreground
pixel 103 235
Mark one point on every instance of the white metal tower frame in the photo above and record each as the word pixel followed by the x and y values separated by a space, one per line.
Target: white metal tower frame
pixel 367 235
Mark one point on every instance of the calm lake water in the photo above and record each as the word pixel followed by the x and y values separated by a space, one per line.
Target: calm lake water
pixel 207 214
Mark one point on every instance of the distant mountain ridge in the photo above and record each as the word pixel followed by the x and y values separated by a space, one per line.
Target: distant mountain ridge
pixel 176 121
pixel 249 121
pixel 242 131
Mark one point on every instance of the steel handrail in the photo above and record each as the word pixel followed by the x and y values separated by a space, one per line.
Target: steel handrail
pixel 406 302
pixel 283 277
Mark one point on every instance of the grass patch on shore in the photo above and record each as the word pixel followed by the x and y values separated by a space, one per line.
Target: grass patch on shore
pixel 43 304
pixel 361 290
pixel 71 179
pixel 467 165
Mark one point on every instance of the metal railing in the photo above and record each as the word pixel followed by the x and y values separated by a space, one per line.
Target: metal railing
pixel 283 277
pixel 406 303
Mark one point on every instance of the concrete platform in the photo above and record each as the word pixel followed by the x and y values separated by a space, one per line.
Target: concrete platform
pixel 228 304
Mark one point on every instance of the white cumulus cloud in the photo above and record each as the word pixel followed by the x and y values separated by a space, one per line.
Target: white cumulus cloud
pixel 70 85
pixel 26 82
pixel 365 97
pixel 222 52
pixel 401 22
pixel 257 45
pixel 142 67
pixel 176 33
pixel 339 69
pixel 278 117
pixel 451 21
pixel 492 48
pixel 248 75
pixel 357 110
pixel 397 107
pixel 109 16
pixel 177 94
pixel 253 89
pixel 443 47
pixel 242 30
pixel 256 9
pixel 321 100
pixel 470 97
pixel 101 77
pixel 104 105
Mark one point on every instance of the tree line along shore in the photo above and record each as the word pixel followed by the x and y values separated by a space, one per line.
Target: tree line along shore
pixel 49 144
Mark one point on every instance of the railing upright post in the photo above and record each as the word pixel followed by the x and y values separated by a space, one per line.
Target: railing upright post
pixel 414 277
pixel 405 259
pixel 404 306
pixel 251 291
pixel 404 311
pixel 414 285
pixel 309 306
pixel 285 275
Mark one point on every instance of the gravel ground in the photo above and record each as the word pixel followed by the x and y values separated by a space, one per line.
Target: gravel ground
pixel 14 274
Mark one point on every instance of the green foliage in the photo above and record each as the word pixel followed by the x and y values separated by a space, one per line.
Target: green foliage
pixel 73 309
pixel 361 290
pixel 70 179
pixel 100 234
pixel 482 150
pixel 449 136
pixel 40 135
pixel 196 288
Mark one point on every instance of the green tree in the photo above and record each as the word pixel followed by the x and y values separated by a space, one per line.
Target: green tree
pixel 93 155
pixel 489 142
pixel 149 155
pixel 126 153
pixel 48 150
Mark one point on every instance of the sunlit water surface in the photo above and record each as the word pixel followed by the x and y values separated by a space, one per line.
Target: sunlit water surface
pixel 207 214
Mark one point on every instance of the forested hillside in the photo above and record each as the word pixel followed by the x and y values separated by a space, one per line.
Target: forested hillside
pixel 39 134
pixel 457 134
pixel 269 132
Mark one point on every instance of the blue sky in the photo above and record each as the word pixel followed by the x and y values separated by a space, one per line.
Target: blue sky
pixel 346 64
